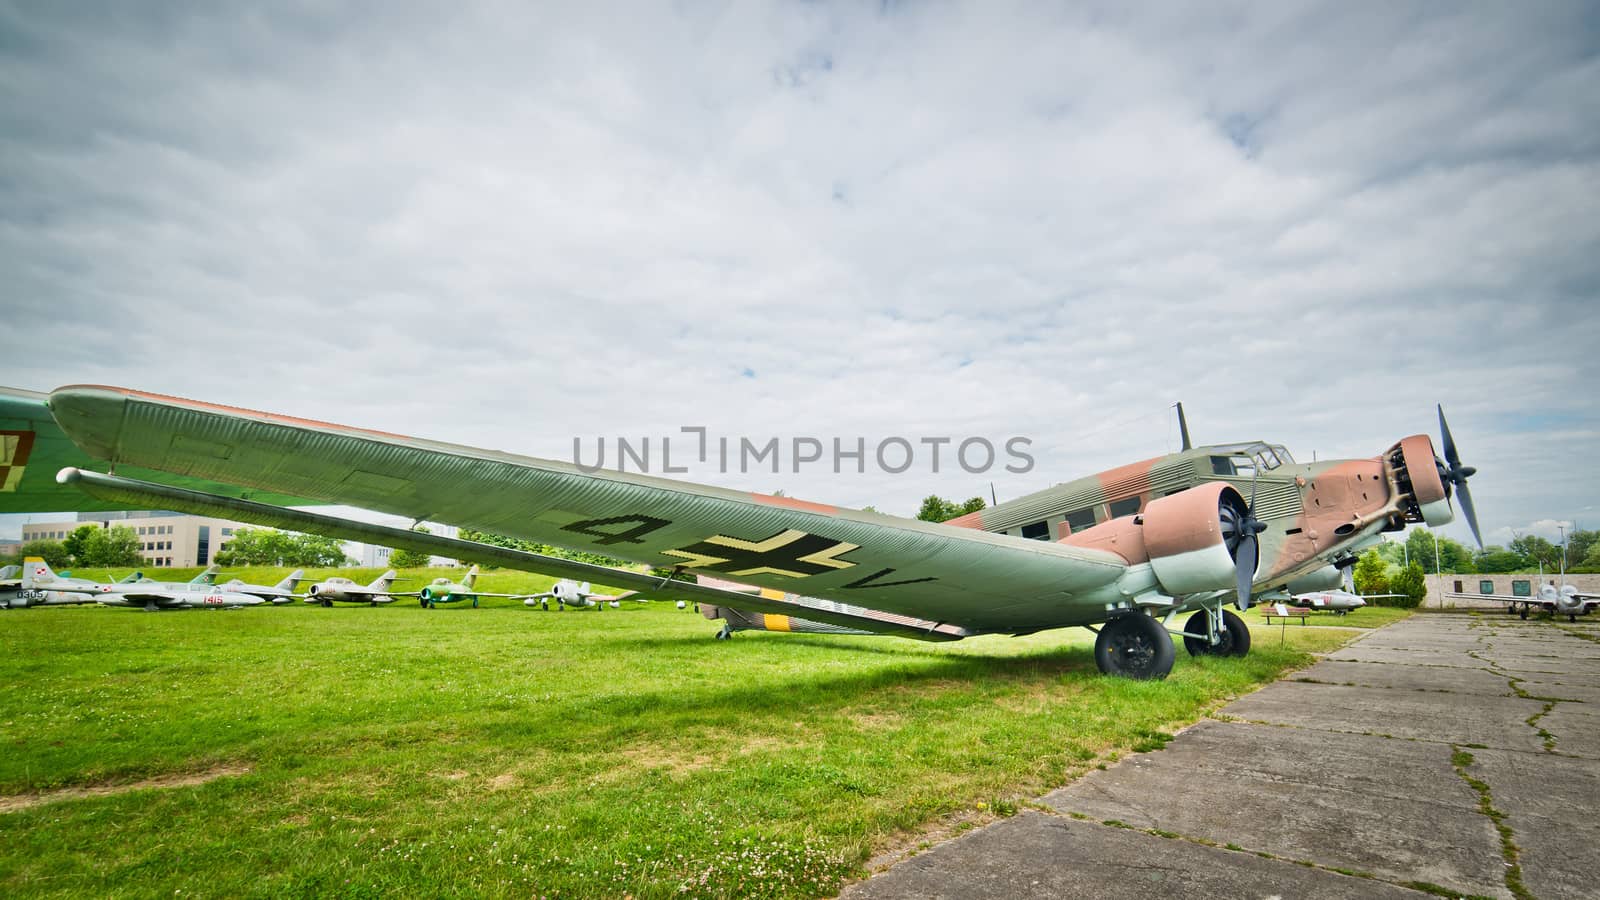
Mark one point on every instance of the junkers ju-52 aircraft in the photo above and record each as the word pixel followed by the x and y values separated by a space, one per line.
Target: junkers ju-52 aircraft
pixel 1134 547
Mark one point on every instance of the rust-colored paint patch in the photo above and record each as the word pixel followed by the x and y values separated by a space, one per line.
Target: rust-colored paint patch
pixel 970 520
pixel 1417 451
pixel 1126 481
pixel 792 503
pixel 1119 536
pixel 1340 494
pixel 1186 521
pixel 18 802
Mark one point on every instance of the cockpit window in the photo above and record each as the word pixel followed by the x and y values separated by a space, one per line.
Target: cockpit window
pixel 1283 454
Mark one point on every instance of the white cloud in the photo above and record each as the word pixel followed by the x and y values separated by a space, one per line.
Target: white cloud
pixel 507 226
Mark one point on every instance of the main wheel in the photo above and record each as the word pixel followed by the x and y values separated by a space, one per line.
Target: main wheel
pixel 1235 637
pixel 328 604
pixel 1524 611
pixel 1134 645
pixel 474 602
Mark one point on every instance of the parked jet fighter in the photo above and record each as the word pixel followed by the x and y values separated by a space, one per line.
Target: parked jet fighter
pixel 1136 546
pixel 567 592
pixel 150 595
pixel 443 590
pixel 339 589
pixel 14 596
pixel 280 593
pixel 1566 600
pixel 1338 602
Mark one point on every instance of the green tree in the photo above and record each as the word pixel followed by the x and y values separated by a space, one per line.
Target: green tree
pixel 51 551
pixel 937 509
pixel 1371 574
pixel 75 541
pixel 1496 559
pixel 1453 557
pixel 271 547
pixel 114 546
pixel 1393 552
pixel 317 551
pixel 1411 582
pixel 410 559
pixel 1579 543
pixel 1537 550
pixel 1591 562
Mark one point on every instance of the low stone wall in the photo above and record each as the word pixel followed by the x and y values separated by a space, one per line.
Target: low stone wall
pixel 1505 585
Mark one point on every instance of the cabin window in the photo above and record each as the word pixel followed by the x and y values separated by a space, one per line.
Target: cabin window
pixel 1079 520
pixel 1486 586
pixel 1125 507
pixel 1036 531
pixel 1221 465
pixel 1522 587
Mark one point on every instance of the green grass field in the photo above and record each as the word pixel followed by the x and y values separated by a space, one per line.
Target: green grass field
pixel 505 751
pixel 1366 617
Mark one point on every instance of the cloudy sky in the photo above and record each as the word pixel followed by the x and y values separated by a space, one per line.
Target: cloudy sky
pixel 512 225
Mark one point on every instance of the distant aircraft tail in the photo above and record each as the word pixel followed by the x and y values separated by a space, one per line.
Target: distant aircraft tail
pixel 209 576
pixel 472 576
pixel 293 579
pixel 384 581
pixel 10 572
pixel 35 571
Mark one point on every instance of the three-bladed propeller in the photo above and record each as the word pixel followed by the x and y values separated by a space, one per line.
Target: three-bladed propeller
pixel 1240 528
pixel 1452 472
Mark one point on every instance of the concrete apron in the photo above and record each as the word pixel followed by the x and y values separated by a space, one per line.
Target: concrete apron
pixel 1364 775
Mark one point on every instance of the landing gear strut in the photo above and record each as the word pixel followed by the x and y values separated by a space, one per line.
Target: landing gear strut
pixel 1233 637
pixel 1134 645
pixel 725 634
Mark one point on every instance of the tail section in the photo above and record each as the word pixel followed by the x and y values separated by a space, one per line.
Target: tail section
pixel 36 572
pixel 472 576
pixel 384 581
pixel 10 572
pixel 209 576
pixel 293 579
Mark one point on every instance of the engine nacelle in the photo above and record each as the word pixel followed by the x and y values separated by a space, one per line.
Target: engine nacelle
pixel 1416 468
pixel 1327 578
pixel 1183 535
pixel 1179 535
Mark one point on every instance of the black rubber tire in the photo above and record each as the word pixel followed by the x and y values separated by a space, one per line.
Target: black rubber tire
pixel 1524 612
pixel 1134 645
pixel 474 602
pixel 1571 617
pixel 423 602
pixel 1235 636
pixel 327 604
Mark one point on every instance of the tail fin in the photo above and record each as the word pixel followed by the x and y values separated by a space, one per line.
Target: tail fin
pixel 472 575
pixel 35 571
pixel 294 578
pixel 209 576
pixel 10 572
pixel 384 581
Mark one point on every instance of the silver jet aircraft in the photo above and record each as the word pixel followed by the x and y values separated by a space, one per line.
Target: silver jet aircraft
pixel 567 592
pixel 146 594
pixel 339 589
pixel 282 592
pixel 14 596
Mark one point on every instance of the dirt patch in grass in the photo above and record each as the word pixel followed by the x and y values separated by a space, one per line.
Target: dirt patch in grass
pixel 17 802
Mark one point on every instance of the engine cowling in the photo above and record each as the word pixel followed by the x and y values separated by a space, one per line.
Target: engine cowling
pixel 1183 535
pixel 1326 578
pixel 1179 535
pixel 1416 469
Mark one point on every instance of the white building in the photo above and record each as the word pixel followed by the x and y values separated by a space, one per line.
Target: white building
pixel 165 539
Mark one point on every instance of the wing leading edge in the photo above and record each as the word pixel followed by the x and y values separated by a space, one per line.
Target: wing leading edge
pixel 915 569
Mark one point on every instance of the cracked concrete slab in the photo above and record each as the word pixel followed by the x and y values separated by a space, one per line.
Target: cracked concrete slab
pixel 1576 727
pixel 1453 659
pixel 1465 719
pixel 1034 855
pixel 1355 775
pixel 1413 678
pixel 1312 796
pixel 1549 804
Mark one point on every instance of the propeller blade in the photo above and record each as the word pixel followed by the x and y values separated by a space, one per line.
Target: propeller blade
pixel 1246 562
pixel 1470 513
pixel 1450 455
